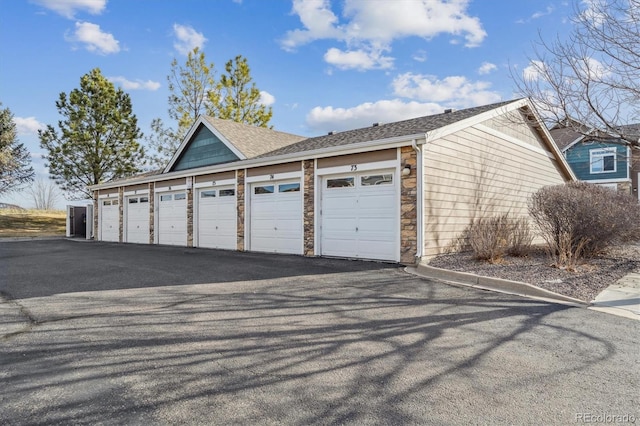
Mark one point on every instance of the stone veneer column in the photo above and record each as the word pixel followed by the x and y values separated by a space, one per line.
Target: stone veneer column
pixel 309 207
pixel 240 207
pixel 121 214
pixel 189 217
pixel 152 212
pixel 96 206
pixel 408 203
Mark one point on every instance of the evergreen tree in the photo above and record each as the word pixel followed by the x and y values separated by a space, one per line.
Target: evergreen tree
pixel 15 161
pixel 238 96
pixel 97 140
pixel 195 91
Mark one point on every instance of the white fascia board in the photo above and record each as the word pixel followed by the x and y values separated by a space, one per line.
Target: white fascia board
pixel 620 180
pixel 215 183
pixel 334 151
pixel 189 135
pixel 579 139
pixel 550 142
pixel 471 121
pixel 274 177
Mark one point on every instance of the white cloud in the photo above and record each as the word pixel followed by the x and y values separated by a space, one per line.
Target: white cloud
pixel 94 39
pixel 326 119
pixel 371 27
pixel 594 11
pixel 420 56
pixel 534 71
pixel 319 22
pixel 135 85
pixel 68 8
pixel 266 98
pixel 593 69
pixel 486 68
pixel 357 59
pixel 548 11
pixel 188 39
pixel 27 125
pixel 454 90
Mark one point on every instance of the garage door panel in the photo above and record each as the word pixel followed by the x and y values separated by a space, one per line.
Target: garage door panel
pixel 276 217
pixel 172 218
pixel 137 219
pixel 109 220
pixel 361 220
pixel 217 218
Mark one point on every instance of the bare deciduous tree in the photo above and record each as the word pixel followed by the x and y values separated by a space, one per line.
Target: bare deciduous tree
pixel 590 81
pixel 44 193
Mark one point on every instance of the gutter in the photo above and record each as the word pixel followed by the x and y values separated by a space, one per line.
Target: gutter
pixel 266 161
pixel 419 198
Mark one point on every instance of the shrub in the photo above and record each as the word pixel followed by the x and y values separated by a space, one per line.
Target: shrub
pixel 520 238
pixel 491 238
pixel 579 220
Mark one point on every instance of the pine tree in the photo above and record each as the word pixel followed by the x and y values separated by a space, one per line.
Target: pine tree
pixel 15 161
pixel 97 140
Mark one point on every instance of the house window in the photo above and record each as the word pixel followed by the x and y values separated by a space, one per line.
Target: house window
pixel 603 160
pixel 345 182
pixel 180 196
pixel 167 197
pixel 208 194
pixel 227 192
pixel 267 189
pixel 144 199
pixel 376 180
pixel 133 201
pixel 289 187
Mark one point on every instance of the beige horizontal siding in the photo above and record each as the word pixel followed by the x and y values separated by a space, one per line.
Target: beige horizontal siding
pixel 513 124
pixel 473 173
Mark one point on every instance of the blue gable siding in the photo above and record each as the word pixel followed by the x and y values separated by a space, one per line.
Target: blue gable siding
pixel 579 159
pixel 204 149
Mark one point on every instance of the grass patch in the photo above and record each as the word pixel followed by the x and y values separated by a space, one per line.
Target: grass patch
pixel 32 223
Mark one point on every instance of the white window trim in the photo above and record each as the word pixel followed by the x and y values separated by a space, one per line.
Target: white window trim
pixel 211 184
pixel 274 177
pixel 600 153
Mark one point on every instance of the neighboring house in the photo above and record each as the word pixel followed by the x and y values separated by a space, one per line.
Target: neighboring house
pixel 399 192
pixel 601 161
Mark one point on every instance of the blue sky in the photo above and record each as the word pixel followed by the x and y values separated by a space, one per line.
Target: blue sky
pixel 322 65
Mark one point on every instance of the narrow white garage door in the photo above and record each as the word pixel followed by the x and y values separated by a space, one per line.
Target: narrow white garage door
pixel 217 218
pixel 109 220
pixel 137 219
pixel 276 217
pixel 360 216
pixel 172 218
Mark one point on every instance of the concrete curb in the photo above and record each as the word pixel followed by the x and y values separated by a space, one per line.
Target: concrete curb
pixel 12 239
pixel 495 284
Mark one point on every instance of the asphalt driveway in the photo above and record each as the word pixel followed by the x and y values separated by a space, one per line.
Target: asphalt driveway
pixel 98 333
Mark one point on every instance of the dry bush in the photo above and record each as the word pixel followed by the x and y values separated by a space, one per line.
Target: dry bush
pixel 489 237
pixel 520 238
pixel 580 220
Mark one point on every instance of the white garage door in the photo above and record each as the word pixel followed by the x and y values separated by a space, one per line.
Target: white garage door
pixel 137 219
pixel 360 216
pixel 109 220
pixel 172 218
pixel 276 217
pixel 217 218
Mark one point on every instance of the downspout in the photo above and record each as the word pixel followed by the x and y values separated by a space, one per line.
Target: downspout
pixel 419 199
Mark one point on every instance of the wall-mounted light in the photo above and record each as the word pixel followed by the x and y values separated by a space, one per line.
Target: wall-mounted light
pixel 406 171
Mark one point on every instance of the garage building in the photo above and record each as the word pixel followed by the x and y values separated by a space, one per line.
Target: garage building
pixel 398 192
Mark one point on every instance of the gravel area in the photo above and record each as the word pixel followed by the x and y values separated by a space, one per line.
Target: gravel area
pixel 589 278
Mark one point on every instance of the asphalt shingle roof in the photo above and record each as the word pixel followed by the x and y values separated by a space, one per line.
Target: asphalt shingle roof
pixel 252 141
pixel 384 131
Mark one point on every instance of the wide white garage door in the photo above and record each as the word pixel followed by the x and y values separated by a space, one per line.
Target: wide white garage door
pixel 360 216
pixel 276 217
pixel 109 220
pixel 137 219
pixel 217 218
pixel 172 218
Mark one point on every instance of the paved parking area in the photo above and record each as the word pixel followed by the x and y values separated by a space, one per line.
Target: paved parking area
pixel 96 333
